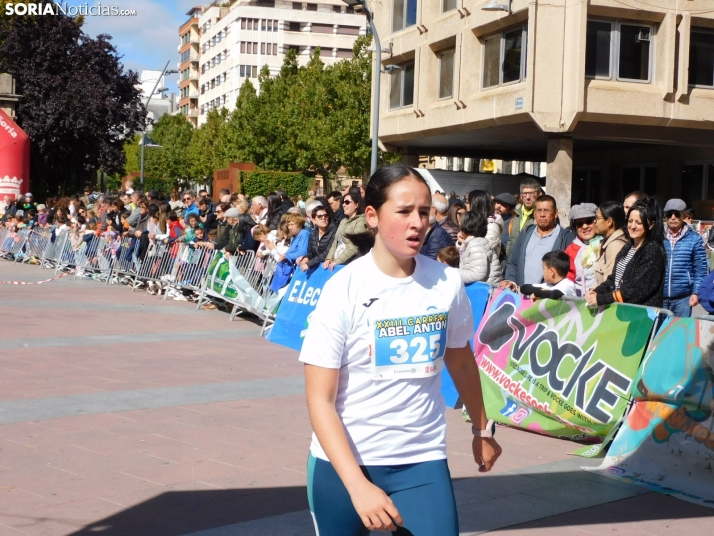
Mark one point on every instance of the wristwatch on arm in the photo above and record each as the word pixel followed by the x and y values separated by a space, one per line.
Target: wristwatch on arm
pixel 489 431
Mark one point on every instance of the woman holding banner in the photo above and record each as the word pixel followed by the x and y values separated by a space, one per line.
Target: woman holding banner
pixel 638 276
pixel 381 333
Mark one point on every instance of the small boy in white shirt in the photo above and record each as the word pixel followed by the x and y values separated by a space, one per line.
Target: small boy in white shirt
pixel 556 283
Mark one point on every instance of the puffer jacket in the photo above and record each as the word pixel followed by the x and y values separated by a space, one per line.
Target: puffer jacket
pixel 479 262
pixel 686 266
pixel 343 250
pixel 494 231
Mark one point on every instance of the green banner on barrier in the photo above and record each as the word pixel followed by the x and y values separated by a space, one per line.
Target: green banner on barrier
pixel 219 278
pixel 558 367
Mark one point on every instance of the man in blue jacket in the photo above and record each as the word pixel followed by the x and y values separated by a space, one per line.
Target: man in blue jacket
pixel 525 264
pixel 686 261
pixel 437 237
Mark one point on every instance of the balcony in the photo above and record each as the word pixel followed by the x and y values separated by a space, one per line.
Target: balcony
pixel 193 112
pixel 193 94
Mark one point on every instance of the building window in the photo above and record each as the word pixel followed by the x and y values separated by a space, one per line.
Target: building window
pixel 701 58
pixel 275 49
pixel 184 74
pixel 504 58
pixel 349 9
pixel 262 48
pixel 185 38
pixel 312 7
pixel 401 89
pixel 337 9
pixel 404 14
pixel 447 5
pixel 446 74
pixel 297 5
pixel 620 48
pixel 294 27
pixel 266 3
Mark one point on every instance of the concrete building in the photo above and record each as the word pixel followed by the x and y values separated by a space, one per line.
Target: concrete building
pixel 8 96
pixel 190 51
pixel 237 40
pixel 161 103
pixel 615 95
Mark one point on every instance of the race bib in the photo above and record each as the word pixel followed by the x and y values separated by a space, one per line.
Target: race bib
pixel 410 346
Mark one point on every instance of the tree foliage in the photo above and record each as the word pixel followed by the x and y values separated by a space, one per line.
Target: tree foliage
pixel 260 182
pixel 78 103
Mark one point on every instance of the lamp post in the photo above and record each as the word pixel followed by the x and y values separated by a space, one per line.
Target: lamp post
pixel 376 75
pixel 143 132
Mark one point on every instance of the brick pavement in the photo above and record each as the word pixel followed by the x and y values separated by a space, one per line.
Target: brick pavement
pixel 200 427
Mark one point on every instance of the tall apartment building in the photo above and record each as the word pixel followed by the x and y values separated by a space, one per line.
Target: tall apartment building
pixel 238 40
pixel 615 95
pixel 190 51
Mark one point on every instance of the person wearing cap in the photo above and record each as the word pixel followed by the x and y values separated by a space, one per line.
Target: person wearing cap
pixel 585 249
pixel 524 216
pixel 504 205
pixel 686 261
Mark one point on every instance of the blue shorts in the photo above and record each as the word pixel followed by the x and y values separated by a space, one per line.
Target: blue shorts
pixel 422 492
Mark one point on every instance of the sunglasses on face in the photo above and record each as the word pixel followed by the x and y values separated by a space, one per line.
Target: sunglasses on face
pixel 674 213
pixel 581 223
pixel 321 216
pixel 346 202
pixel 187 199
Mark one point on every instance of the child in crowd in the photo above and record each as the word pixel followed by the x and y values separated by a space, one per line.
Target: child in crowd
pixel 199 235
pixel 449 256
pixel 124 218
pixel 193 221
pixel 175 229
pixel 555 276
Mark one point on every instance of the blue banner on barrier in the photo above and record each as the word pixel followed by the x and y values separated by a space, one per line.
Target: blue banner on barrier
pixel 479 294
pixel 297 305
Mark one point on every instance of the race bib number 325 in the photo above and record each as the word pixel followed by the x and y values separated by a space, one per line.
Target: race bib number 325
pixel 409 347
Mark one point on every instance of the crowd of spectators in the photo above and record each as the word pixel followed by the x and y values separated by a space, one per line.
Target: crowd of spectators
pixel 631 252
pixel 627 252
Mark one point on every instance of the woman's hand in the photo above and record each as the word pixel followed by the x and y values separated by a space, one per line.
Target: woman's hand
pixel 591 297
pixel 303 264
pixel 486 452
pixel 375 508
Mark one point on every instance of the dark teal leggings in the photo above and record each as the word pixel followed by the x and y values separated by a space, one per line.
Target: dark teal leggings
pixel 422 492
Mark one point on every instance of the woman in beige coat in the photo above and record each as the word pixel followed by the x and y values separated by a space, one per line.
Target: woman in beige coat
pixel 344 250
pixel 610 224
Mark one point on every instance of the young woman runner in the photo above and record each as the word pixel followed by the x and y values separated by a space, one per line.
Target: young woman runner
pixel 382 331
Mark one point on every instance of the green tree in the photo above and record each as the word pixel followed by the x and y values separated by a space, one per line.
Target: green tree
pixel 204 152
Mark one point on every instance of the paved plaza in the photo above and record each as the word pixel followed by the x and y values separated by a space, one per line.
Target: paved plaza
pixel 124 414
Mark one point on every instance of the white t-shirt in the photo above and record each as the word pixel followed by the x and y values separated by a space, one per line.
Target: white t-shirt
pixel 566 286
pixel 393 414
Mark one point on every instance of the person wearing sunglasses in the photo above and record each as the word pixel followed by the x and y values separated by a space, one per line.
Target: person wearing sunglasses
pixel 686 261
pixel 189 199
pixel 344 249
pixel 585 249
pixel 611 223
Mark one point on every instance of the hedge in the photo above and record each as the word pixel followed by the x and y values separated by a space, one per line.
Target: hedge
pixel 254 183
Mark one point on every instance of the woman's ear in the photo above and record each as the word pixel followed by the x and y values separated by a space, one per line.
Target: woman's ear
pixel 371 217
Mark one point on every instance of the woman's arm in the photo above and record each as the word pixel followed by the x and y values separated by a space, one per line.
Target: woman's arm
pixel 374 507
pixel 464 371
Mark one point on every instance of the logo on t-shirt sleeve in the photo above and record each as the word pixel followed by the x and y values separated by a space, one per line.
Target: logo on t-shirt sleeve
pixel 409 347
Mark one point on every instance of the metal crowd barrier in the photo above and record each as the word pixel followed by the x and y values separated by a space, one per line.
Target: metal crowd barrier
pixel 36 244
pixel 125 260
pixel 158 263
pixel 191 266
pixel 53 253
pixel 95 258
pixel 13 243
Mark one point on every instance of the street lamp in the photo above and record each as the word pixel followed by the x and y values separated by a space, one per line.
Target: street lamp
pixel 143 133
pixel 495 6
pixel 375 74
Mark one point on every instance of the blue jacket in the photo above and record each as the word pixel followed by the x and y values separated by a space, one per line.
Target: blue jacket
pixel 298 246
pixel 686 266
pixel 436 239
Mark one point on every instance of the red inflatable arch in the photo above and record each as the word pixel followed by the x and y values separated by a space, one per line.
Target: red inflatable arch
pixel 14 158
